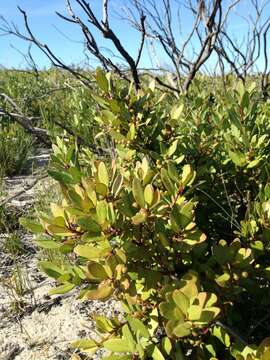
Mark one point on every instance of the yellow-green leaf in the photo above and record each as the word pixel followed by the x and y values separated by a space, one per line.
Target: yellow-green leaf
pixel 103 176
pixel 137 191
pixel 149 194
pixel 101 293
pixel 62 289
pixel 116 345
pixel 188 175
pixel 31 225
pixel 101 79
pixel 85 345
pixel 90 252
pixel 58 231
pixel 96 271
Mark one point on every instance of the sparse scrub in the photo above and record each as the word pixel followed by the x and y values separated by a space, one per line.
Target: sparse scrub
pixel 12 244
pixel 17 286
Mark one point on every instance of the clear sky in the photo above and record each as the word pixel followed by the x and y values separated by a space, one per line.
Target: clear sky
pixel 65 38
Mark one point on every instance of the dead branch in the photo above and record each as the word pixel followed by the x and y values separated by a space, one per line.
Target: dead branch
pixel 253 47
pixel 25 121
pixel 209 19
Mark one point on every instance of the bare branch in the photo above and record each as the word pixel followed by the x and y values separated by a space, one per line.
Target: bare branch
pixel 105 14
pixel 143 32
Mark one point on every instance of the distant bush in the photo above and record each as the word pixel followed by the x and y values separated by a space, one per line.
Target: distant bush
pixel 15 148
pixel 175 225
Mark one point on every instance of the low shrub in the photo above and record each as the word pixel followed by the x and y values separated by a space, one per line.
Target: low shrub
pixel 175 226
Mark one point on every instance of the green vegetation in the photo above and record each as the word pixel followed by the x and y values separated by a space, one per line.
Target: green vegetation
pixel 171 218
pixel 15 149
pixel 52 100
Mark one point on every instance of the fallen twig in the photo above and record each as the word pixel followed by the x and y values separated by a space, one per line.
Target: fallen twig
pixel 12 197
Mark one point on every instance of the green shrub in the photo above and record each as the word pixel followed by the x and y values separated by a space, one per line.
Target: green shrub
pixel 13 244
pixel 175 226
pixel 15 148
pixel 9 219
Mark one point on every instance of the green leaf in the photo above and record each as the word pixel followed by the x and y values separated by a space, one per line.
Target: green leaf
pixel 166 345
pixel 238 158
pixel 132 132
pixel 116 345
pixel 137 191
pixel 89 187
pixel 62 289
pixel 155 353
pixel 189 284
pixel 170 311
pixel 101 189
pixel 48 244
pixel 263 351
pixel 97 271
pixel 90 252
pixel 84 344
pixel 194 237
pixel 139 218
pixel 188 175
pixel 51 269
pixel 181 301
pixel 176 112
pixel 172 172
pixel 223 279
pixel 87 223
pixel 62 176
pixel 176 217
pixel 31 225
pixel 194 312
pixel 172 148
pixel 208 315
pixel 167 182
pixel 254 163
pixel 103 176
pixel 102 209
pixel 103 292
pixel 222 253
pixel 245 100
pixel 137 325
pixel 211 350
pixel 149 194
pixel 58 230
pixel 221 334
pixel 103 324
pixel 102 80
pixel 111 215
pixel 127 335
pixel 182 329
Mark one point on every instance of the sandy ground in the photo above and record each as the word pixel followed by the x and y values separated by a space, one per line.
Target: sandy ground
pixel 35 326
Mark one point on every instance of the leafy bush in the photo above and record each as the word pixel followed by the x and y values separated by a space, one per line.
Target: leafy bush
pixel 175 226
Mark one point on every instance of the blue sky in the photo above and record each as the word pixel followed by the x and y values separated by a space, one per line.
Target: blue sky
pixel 65 38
